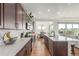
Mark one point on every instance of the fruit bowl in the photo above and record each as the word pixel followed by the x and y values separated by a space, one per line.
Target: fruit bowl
pixel 11 41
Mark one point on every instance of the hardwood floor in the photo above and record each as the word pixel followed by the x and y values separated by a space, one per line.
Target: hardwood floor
pixel 39 48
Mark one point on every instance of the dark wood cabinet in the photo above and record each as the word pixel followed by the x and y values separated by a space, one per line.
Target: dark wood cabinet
pixel 24 20
pixel 29 47
pixel 12 16
pixel 1 15
pixel 46 41
pixel 23 52
pixel 60 48
pixel 26 50
pixel 56 48
pixel 19 16
pixel 76 51
pixel 51 47
pixel 9 15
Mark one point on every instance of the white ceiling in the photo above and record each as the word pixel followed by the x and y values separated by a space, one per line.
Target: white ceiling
pixel 56 10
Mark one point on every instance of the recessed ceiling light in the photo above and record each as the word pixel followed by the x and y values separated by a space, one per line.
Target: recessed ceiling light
pixel 49 10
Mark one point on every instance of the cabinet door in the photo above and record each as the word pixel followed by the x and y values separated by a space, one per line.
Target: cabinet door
pixel 29 48
pixel 19 16
pixel 9 15
pixel 60 48
pixel 22 52
pixel 26 50
pixel 51 47
pixel 1 15
pixel 24 19
pixel 46 41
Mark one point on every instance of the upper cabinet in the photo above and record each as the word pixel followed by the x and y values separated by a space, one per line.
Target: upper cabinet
pixel 1 15
pixel 19 16
pixel 9 15
pixel 12 16
pixel 24 20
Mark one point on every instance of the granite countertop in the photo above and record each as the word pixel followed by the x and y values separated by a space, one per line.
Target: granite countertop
pixel 12 50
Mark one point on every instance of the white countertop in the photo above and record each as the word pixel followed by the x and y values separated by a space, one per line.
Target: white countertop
pixel 71 41
pixel 13 49
pixel 62 38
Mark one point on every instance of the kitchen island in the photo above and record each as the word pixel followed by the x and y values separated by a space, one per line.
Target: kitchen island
pixel 60 45
pixel 21 47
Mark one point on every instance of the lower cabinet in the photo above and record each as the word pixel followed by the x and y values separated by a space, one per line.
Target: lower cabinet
pixel 23 52
pixel 26 50
pixel 76 51
pixel 29 48
pixel 60 48
pixel 56 48
pixel 51 47
pixel 46 41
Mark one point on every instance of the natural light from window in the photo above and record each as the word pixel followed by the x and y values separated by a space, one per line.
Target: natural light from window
pixel 69 26
pixel 61 26
pixel 75 25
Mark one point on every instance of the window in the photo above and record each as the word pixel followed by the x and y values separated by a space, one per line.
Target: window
pixel 69 30
pixel 75 25
pixel 61 26
pixel 69 26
